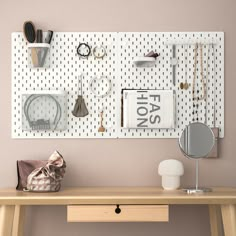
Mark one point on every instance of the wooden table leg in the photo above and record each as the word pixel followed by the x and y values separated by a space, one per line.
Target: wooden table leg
pixel 215 220
pixel 229 219
pixel 6 220
pixel 18 223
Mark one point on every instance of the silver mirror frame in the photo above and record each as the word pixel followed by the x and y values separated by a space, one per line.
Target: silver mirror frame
pixel 202 156
pixel 196 189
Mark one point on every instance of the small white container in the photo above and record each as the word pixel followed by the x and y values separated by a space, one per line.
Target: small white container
pixel 44 110
pixel 144 61
pixel 39 55
pixel 171 170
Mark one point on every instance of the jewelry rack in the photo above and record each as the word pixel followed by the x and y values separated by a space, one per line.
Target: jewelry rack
pixel 117 65
pixel 191 42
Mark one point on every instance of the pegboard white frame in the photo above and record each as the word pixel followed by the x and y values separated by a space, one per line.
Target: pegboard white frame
pixel 118 64
pixel 135 44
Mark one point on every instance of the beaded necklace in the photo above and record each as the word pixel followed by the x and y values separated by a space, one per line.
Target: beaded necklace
pixel 196 93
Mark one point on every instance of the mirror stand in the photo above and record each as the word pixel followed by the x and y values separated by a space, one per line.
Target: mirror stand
pixel 196 142
pixel 196 189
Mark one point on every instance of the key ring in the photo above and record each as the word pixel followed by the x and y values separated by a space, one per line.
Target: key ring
pixel 99 52
pixel 88 49
pixel 104 79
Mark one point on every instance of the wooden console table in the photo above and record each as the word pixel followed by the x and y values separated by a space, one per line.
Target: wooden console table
pixel 117 204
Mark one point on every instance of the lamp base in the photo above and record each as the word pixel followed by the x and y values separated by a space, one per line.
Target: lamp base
pixel 197 190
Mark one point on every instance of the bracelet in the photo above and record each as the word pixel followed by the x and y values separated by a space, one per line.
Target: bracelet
pixel 88 49
pixel 99 52
pixel 104 79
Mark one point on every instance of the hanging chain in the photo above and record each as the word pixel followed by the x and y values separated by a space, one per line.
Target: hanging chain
pixel 206 79
pixel 196 97
pixel 195 93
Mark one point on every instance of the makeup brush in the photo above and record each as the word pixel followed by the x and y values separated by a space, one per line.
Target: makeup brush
pixel 30 36
pixel 48 40
pixel 29 32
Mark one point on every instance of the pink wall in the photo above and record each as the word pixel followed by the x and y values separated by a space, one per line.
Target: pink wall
pixel 118 162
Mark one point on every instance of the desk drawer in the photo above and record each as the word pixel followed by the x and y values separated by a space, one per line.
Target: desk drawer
pixel 121 213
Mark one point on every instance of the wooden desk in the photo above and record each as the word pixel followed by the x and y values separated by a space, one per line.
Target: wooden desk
pixel 99 204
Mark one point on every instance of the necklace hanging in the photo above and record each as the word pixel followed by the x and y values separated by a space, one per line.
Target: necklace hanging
pixel 206 79
pixel 196 93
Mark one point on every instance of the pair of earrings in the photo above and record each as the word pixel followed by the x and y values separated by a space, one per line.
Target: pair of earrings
pixel 184 85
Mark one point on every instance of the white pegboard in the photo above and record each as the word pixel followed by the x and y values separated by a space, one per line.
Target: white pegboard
pixel 132 45
pixel 62 75
pixel 118 66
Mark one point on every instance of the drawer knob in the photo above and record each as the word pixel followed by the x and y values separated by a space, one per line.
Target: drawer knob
pixel 117 210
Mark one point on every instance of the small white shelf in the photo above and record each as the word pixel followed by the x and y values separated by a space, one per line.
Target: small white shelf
pixel 144 61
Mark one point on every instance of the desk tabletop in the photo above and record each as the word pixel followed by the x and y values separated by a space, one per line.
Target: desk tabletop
pixel 116 195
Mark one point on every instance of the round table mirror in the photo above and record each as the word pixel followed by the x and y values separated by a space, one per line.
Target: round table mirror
pixel 197 141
